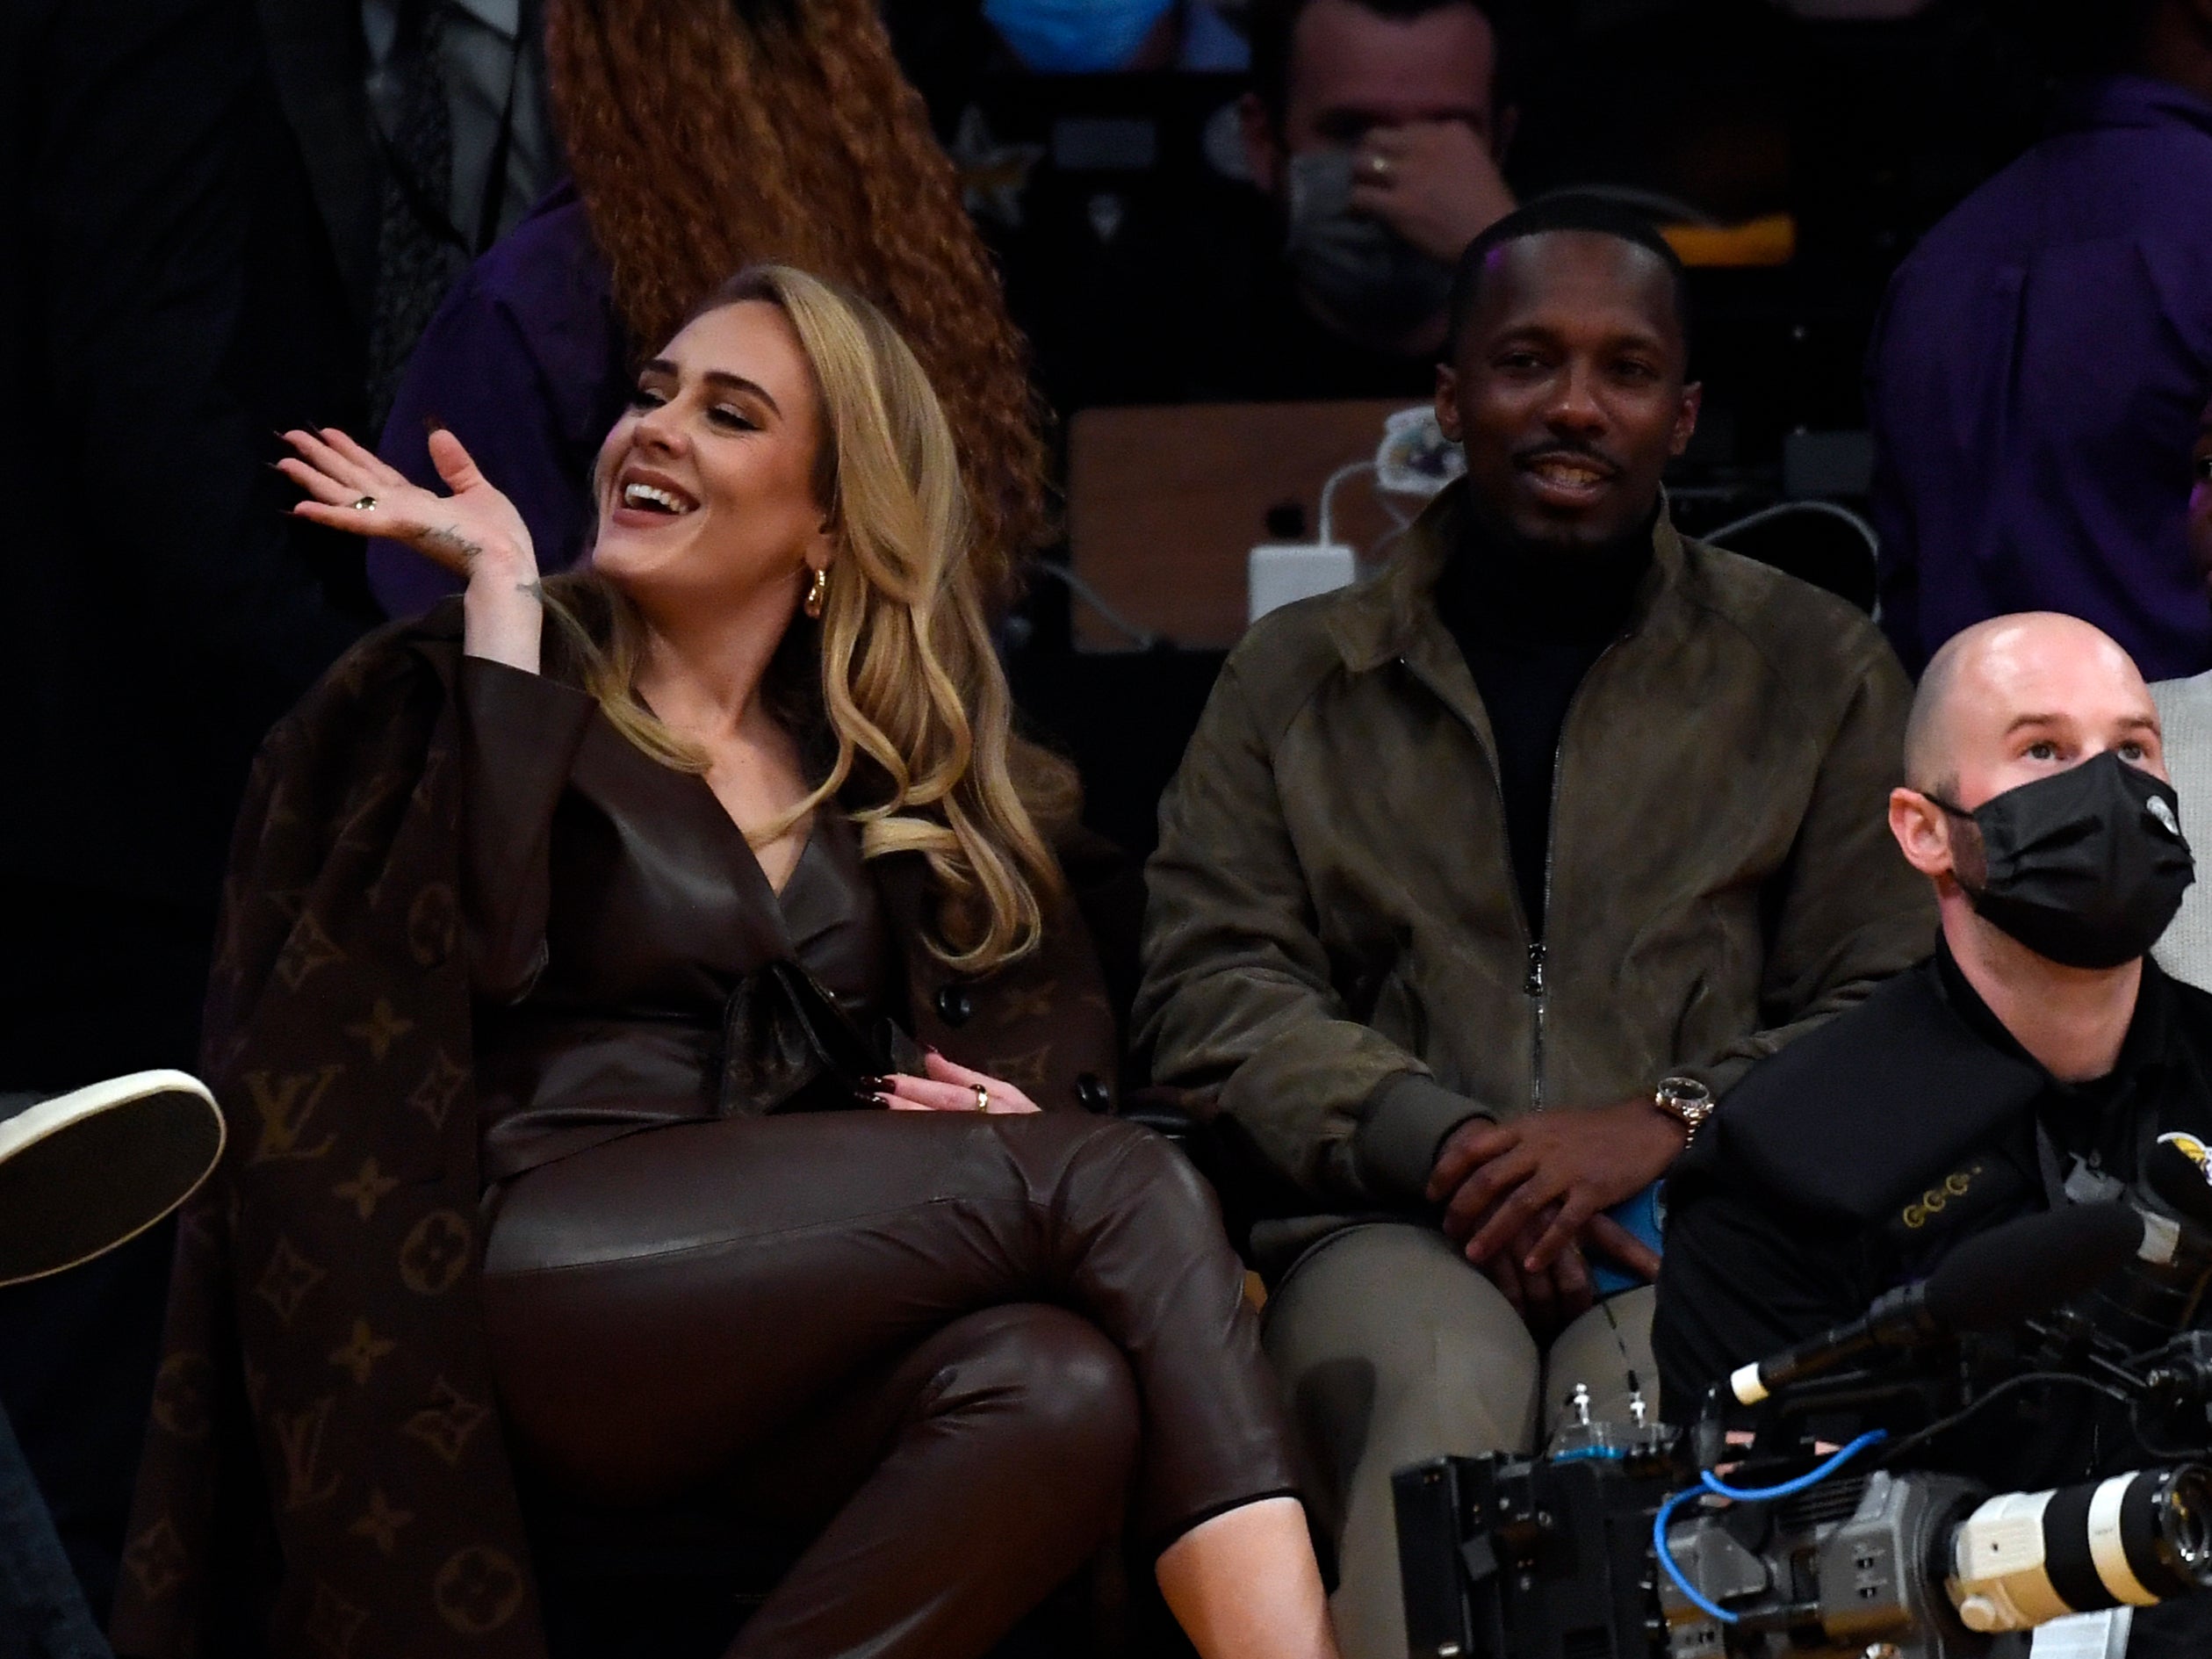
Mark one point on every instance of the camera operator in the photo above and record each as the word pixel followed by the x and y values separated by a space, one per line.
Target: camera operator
pixel 2031 1062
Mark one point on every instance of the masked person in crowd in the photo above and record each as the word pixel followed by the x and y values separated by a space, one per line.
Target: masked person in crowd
pixel 701 136
pixel 597 944
pixel 1481 881
pixel 2185 715
pixel 1374 131
pixel 2031 1060
pixel 1097 37
pixel 1086 37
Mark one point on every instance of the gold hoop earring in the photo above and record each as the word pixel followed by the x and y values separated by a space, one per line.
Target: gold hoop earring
pixel 817 594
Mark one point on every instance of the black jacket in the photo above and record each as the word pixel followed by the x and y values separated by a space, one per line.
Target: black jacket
pixel 1857 1160
pixel 167 299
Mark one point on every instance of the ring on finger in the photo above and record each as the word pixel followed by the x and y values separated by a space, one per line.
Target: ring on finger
pixel 1378 169
pixel 365 504
pixel 982 1096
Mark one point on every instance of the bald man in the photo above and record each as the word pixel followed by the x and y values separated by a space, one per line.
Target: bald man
pixel 2025 1064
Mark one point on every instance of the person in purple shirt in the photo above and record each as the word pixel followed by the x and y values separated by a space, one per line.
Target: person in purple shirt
pixel 529 364
pixel 702 136
pixel 2035 379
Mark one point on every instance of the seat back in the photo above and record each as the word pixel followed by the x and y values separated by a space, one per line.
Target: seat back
pixel 1166 504
pixel 1819 542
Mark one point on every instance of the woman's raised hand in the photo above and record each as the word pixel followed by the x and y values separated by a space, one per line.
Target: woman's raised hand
pixel 454 530
pixel 953 1088
pixel 475 532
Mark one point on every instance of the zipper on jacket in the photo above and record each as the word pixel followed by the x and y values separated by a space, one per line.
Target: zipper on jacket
pixel 1532 987
pixel 1532 975
pixel 1534 984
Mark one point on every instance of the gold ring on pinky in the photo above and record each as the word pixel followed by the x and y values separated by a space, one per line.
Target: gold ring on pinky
pixel 367 504
pixel 982 1097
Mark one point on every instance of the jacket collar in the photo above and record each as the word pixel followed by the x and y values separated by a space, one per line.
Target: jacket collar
pixel 2142 1050
pixel 2129 100
pixel 1394 615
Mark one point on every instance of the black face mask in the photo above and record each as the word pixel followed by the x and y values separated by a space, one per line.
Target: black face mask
pixel 2086 867
pixel 1377 285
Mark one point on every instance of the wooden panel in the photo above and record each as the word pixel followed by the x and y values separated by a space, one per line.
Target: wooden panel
pixel 1165 505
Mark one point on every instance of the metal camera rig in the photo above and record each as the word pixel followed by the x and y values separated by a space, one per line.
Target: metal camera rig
pixel 1631 1543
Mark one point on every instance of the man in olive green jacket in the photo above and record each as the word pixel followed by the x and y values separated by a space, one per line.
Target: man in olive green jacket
pixel 1479 882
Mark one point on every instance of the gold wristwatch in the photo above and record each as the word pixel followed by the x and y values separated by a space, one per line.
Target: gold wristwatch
pixel 1686 1100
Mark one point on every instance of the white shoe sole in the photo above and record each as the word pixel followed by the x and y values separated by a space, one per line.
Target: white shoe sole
pixel 81 1173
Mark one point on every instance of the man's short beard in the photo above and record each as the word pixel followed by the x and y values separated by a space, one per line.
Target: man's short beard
pixel 1571 539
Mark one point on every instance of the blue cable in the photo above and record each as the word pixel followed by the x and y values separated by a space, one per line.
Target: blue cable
pixel 1690 1592
pixel 1712 1483
pixel 1708 1482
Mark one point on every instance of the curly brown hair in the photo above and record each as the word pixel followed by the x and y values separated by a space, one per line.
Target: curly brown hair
pixel 705 135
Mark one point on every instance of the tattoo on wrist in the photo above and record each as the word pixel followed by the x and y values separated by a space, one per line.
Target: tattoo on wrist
pixel 534 589
pixel 449 541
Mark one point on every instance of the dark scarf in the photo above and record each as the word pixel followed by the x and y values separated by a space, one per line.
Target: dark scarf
pixel 1530 620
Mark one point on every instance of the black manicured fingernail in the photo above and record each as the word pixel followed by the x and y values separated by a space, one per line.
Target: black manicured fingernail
pixel 431 423
pixel 868 1085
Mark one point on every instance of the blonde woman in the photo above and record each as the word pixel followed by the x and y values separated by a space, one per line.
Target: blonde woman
pixel 746 806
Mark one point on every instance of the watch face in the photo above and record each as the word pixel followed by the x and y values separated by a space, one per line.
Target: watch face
pixel 1686 1094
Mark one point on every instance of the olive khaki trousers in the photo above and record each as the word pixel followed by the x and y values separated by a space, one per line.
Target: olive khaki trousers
pixel 1392 1349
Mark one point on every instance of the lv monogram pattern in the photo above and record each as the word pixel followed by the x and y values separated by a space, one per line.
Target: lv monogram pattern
pixel 324 1318
pixel 325 1278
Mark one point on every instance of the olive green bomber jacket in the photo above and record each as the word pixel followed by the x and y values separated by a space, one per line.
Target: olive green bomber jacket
pixel 1334 939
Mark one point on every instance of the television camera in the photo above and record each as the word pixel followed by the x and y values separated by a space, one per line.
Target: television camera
pixel 1812 1510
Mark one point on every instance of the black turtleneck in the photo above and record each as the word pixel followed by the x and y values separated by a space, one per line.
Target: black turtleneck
pixel 1531 619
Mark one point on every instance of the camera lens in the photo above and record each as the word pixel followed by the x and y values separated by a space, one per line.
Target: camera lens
pixel 2180 1505
pixel 2023 1558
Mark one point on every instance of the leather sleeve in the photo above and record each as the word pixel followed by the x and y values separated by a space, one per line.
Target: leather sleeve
pixel 519 736
pixel 1846 911
pixel 1237 988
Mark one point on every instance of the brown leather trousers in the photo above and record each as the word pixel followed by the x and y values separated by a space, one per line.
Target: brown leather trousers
pixel 938 1345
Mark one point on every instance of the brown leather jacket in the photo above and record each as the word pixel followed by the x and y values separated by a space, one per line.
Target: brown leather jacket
pixel 1334 939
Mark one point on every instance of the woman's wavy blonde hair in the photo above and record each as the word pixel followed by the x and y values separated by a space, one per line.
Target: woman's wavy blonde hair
pixel 897 687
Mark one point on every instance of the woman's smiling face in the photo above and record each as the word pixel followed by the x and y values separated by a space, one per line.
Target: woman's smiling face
pixel 708 493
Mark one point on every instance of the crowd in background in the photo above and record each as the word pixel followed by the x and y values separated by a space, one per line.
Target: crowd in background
pixel 228 220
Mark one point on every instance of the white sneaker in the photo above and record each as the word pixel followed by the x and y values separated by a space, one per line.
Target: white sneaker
pixel 83 1172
